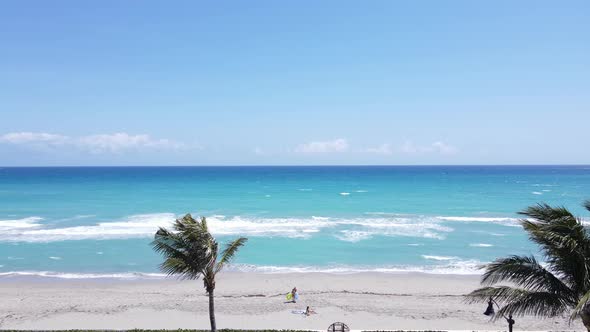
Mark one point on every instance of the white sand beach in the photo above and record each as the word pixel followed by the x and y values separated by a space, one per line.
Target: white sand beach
pixel 255 301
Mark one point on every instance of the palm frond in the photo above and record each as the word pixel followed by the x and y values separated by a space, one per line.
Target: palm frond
pixel 536 304
pixel 527 273
pixel 564 242
pixel 185 249
pixel 191 252
pixel 545 213
pixel 582 305
pixel 564 283
pixel 518 301
pixel 483 294
pixel 229 252
pixel 204 226
pixel 180 268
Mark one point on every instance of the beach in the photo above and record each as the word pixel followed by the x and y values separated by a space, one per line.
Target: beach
pixel 255 301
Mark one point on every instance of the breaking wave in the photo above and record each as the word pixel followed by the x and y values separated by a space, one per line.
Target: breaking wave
pixel 463 267
pixel 19 224
pixel 505 221
pixel 65 275
pixel 439 258
pixel 455 266
pixel 33 229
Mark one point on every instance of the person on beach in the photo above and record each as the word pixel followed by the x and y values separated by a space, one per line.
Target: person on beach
pixel 295 295
pixel 307 312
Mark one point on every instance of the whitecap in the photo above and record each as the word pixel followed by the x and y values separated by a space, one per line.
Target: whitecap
pixel 361 191
pixel 392 214
pixel 344 194
pixel 133 226
pixel 415 244
pixel 439 258
pixel 504 221
pixel 55 258
pixel 536 193
pixel 76 217
pixel 17 224
pixel 146 225
pixel 354 236
pixel 60 275
pixel 456 267
pixel 479 219
pixel 481 245
pixel 310 230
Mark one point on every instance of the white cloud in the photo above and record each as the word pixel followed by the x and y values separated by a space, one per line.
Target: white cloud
pixel 337 145
pixel 119 142
pixel 258 151
pixel 33 138
pixel 444 148
pixel 437 147
pixel 103 143
pixel 383 149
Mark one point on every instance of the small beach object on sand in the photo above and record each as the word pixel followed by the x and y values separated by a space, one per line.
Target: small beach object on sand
pixel 338 327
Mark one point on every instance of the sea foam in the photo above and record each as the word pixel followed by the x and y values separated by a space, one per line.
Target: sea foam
pixel 62 275
pixel 505 221
pixel 439 258
pixel 344 229
pixel 17 224
pixel 456 267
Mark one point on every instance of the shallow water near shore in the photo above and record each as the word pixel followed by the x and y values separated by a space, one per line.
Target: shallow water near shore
pixel 94 222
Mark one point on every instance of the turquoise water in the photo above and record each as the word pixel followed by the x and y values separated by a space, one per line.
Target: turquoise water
pixel 88 222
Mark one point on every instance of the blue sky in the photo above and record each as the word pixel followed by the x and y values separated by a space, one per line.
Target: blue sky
pixel 294 82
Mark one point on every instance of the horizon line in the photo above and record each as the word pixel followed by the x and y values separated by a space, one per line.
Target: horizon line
pixel 287 165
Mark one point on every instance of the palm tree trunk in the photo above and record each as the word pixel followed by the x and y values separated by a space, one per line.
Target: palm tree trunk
pixel 212 311
pixel 585 315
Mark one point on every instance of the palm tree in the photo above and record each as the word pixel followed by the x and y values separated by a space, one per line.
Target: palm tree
pixel 550 289
pixel 191 252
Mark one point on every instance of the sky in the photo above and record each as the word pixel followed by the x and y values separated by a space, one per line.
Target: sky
pixel 294 82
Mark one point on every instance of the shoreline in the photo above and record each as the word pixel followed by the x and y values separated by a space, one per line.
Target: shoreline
pixel 384 301
pixel 132 276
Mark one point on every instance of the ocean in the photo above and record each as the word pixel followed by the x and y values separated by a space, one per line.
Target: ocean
pixel 90 222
